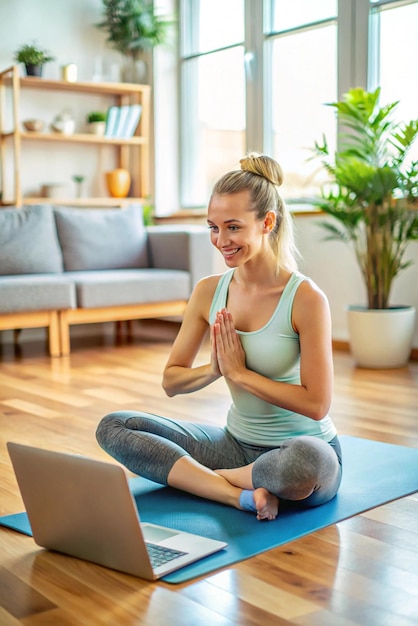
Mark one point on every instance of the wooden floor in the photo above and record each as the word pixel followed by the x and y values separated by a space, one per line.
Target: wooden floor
pixel 363 571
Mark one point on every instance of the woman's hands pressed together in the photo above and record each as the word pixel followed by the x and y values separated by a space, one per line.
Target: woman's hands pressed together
pixel 226 346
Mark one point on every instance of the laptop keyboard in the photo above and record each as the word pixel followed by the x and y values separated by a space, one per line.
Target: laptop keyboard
pixel 160 554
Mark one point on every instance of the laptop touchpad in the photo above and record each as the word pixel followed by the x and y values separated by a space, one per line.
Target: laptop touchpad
pixel 155 534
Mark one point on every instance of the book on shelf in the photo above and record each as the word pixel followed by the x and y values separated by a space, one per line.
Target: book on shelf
pixel 132 120
pixel 111 121
pixel 122 121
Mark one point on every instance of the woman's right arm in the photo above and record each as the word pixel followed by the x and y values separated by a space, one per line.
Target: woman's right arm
pixel 179 374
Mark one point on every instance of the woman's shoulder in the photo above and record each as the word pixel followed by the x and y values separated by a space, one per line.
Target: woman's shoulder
pixel 205 288
pixel 309 294
pixel 208 283
pixel 307 286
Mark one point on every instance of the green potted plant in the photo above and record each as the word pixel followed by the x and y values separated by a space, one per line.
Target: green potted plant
pixel 96 122
pixel 34 58
pixel 133 27
pixel 372 196
pixel 79 180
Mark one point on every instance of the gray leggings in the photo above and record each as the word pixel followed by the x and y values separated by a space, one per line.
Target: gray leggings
pixel 149 445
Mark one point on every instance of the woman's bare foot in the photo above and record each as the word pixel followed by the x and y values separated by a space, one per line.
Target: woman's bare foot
pixel 266 503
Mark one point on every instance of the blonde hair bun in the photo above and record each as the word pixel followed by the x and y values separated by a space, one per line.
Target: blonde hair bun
pixel 264 166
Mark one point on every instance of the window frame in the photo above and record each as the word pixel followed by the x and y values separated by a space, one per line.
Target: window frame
pixel 357 49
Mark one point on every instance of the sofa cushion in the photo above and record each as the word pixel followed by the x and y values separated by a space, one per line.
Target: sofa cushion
pixel 99 239
pixel 28 241
pixel 36 292
pixel 124 287
pixel 181 247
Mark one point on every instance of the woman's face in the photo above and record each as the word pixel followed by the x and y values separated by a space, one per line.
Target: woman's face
pixel 235 230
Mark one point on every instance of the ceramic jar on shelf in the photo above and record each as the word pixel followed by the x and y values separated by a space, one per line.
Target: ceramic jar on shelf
pixel 118 182
pixel 64 124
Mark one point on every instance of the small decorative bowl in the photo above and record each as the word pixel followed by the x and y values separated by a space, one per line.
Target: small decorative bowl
pixel 33 125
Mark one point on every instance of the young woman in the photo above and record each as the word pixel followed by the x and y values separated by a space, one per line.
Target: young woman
pixel 270 334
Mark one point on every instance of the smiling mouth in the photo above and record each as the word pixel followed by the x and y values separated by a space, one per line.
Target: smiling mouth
pixel 229 253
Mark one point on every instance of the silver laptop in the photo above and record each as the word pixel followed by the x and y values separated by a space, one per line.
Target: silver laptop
pixel 84 508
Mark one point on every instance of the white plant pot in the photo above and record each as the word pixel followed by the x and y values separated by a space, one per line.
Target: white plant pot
pixel 97 128
pixel 381 338
pixel 134 71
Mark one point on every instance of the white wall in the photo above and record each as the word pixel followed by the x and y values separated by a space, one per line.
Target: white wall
pixel 66 28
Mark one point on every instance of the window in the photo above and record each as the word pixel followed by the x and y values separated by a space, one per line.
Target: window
pixel 301 49
pixel 285 15
pixel 256 74
pixel 213 102
pixel 394 58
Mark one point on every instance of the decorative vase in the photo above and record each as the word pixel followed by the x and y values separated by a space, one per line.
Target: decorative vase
pixel 118 182
pixel 64 124
pixel 381 338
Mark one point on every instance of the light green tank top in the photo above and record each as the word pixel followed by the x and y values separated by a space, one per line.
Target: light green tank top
pixel 272 351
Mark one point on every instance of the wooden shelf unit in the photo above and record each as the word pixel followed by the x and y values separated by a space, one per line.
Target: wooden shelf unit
pixel 132 152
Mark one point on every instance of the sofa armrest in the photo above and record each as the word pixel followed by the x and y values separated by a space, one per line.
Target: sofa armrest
pixel 181 247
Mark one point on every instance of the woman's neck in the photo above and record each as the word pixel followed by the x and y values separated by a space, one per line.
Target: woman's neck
pixel 258 275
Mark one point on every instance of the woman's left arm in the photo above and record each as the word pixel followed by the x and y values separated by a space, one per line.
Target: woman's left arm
pixel 312 321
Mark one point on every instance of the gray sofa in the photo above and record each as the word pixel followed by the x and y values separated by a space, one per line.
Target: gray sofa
pixel 63 266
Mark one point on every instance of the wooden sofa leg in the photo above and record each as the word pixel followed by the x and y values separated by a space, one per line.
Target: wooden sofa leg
pixel 54 335
pixel 64 333
pixel 16 335
pixel 119 330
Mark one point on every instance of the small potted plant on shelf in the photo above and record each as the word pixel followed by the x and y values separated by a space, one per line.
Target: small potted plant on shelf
pixel 96 122
pixel 79 180
pixel 372 196
pixel 132 28
pixel 34 58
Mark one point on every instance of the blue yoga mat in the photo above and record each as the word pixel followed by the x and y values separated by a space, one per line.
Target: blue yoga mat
pixel 374 473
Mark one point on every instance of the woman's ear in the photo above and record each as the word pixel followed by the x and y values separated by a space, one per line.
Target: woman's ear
pixel 269 221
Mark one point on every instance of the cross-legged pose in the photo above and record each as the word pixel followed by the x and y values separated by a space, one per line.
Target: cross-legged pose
pixel 270 334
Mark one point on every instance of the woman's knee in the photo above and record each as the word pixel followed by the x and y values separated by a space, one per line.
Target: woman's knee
pixel 297 469
pixel 110 425
pixel 320 470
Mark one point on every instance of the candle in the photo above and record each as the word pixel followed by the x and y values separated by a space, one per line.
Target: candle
pixel 69 72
